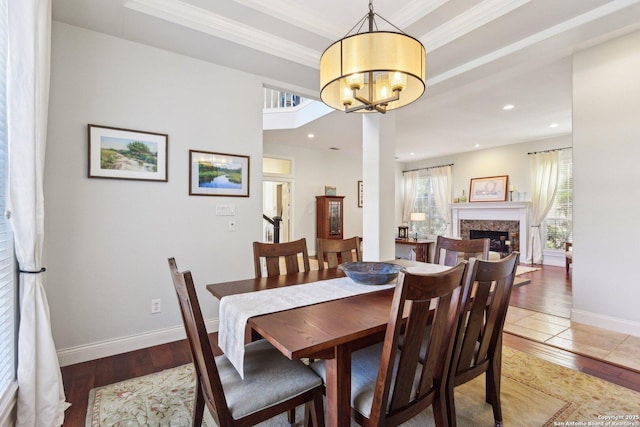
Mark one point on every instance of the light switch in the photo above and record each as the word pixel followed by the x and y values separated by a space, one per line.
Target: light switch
pixel 225 210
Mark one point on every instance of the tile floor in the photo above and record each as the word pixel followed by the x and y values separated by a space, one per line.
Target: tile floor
pixel 576 337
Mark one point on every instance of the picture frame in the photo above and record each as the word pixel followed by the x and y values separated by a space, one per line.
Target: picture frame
pixel 118 153
pixel 330 190
pixel 489 189
pixel 218 174
pixel 360 194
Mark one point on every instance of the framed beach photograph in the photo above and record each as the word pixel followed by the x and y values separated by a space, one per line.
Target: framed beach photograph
pixel 360 194
pixel 490 189
pixel 127 154
pixel 218 174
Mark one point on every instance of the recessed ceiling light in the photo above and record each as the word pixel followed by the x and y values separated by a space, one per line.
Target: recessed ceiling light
pixel 553 125
pixel 412 154
pixel 310 136
pixel 508 107
pixel 477 145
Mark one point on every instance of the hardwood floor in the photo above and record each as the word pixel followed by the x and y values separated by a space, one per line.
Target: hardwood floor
pixel 549 292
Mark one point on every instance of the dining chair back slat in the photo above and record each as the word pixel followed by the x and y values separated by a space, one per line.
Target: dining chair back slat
pixel 287 254
pixel 336 251
pixel 478 342
pixel 455 250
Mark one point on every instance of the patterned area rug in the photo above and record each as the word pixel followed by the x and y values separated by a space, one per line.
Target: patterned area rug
pixel 534 393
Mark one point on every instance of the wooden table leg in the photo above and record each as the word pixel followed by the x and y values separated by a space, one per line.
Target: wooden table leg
pixel 338 389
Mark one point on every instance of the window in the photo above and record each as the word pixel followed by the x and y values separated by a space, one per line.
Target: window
pixel 558 223
pixel 425 202
pixel 8 304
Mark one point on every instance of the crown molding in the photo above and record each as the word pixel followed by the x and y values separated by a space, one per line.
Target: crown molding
pixel 204 21
pixel 476 17
pixel 414 11
pixel 291 12
pixel 534 39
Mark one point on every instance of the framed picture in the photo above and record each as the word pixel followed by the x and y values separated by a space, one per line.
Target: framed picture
pixel 359 194
pixel 218 174
pixel 490 189
pixel 330 191
pixel 127 154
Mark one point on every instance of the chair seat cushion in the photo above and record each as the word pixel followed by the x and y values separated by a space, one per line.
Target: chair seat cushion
pixel 568 254
pixel 269 378
pixel 364 372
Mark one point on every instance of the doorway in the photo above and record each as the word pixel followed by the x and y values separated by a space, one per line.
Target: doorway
pixel 276 201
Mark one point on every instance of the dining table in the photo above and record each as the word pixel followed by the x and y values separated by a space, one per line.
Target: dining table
pixel 329 330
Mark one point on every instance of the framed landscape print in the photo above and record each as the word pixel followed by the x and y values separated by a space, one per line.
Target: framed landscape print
pixel 490 189
pixel 218 174
pixel 127 154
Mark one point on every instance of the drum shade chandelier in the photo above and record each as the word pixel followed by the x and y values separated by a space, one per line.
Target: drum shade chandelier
pixel 374 70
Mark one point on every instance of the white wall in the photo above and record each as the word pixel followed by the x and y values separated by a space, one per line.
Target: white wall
pixel 606 108
pixel 108 240
pixel 313 169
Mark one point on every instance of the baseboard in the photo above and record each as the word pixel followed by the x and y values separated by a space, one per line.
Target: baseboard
pixel 83 353
pixel 606 322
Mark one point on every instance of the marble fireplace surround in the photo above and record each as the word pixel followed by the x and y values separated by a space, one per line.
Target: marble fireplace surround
pixel 496 216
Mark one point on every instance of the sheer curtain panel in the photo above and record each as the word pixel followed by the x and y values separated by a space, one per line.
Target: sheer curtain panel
pixel 41 400
pixel 410 182
pixel 8 302
pixel 441 184
pixel 545 169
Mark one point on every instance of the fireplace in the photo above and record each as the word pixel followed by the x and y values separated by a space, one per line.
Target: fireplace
pixel 498 240
pixel 511 218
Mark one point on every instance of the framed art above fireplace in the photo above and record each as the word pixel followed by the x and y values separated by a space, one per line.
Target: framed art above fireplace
pixel 489 189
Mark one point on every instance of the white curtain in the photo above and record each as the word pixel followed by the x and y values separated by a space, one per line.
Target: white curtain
pixel 410 183
pixel 441 184
pixel 41 400
pixel 545 168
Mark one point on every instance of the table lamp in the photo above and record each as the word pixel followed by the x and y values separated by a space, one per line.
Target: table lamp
pixel 416 217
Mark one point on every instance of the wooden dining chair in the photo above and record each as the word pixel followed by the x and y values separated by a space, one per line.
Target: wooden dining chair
pixel 336 251
pixel 272 383
pixel 478 343
pixel 389 386
pixel 568 254
pixel 288 254
pixel 457 249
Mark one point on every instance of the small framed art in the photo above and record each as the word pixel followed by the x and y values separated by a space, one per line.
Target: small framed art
pixel 127 154
pixel 218 174
pixel 489 189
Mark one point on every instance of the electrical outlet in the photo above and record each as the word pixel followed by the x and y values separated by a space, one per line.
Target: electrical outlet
pixel 156 306
pixel 232 225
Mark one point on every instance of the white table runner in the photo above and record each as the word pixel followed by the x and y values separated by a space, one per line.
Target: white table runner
pixel 235 310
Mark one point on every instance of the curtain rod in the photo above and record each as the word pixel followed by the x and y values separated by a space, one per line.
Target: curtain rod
pixel 547 151
pixel 430 167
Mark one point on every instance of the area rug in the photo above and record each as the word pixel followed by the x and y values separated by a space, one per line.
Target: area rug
pixel 534 393
pixel 521 269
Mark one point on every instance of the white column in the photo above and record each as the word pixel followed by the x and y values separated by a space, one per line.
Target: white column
pixel 378 166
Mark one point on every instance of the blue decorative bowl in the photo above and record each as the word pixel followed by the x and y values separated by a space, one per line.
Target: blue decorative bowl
pixel 371 273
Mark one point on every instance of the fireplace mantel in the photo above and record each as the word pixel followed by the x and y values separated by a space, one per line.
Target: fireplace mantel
pixel 505 211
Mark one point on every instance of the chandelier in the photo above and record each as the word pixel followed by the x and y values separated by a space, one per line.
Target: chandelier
pixel 374 70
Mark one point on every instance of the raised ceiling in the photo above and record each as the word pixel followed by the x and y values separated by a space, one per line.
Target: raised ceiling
pixel 481 55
